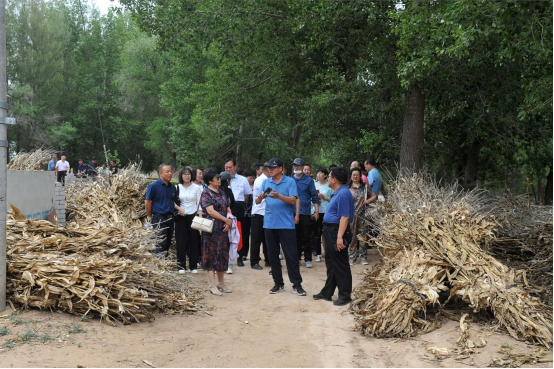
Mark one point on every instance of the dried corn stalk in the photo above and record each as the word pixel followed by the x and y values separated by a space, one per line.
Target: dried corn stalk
pixel 35 160
pixel 92 270
pixel 430 238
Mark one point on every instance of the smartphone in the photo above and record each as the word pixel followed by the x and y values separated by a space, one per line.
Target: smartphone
pixel 267 192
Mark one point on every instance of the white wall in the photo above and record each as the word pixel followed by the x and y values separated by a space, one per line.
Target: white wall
pixel 32 192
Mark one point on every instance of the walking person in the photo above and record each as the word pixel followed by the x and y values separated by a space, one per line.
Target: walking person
pixel 361 194
pixel 324 192
pixel 336 232
pixel 307 195
pixel 186 238
pixel 279 225
pixel 257 224
pixel 161 203
pixel 225 179
pixel 215 245
pixel 62 169
pixel 52 164
pixel 241 190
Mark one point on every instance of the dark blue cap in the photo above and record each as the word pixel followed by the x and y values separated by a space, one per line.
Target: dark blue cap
pixel 275 162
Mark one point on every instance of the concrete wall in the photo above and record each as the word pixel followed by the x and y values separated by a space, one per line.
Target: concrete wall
pixel 33 192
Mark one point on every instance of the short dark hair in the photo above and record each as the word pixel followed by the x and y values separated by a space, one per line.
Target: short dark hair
pixel 258 166
pixel 340 174
pixel 160 167
pixel 230 159
pixel 331 167
pixel 322 170
pixel 194 172
pixel 115 161
pixel 209 175
pixel 250 173
pixel 183 171
pixel 308 165
pixel 350 177
pixel 370 161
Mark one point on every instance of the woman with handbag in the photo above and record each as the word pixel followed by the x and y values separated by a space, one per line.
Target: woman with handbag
pixel 215 245
pixel 362 195
pixel 186 238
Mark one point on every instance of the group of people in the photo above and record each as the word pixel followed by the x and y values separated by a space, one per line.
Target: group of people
pixel 62 168
pixel 283 217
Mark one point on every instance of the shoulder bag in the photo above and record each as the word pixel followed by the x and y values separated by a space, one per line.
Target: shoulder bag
pixel 202 224
pixel 371 211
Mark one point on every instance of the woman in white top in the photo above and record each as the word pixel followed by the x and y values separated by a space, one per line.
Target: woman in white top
pixel 187 238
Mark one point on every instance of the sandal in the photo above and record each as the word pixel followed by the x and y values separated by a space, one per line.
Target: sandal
pixel 215 291
pixel 223 288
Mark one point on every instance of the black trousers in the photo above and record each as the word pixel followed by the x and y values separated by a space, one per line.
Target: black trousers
pixel 287 239
pixel 303 237
pixel 61 176
pixel 338 268
pixel 245 225
pixel 258 237
pixel 186 240
pixel 163 224
pixel 315 234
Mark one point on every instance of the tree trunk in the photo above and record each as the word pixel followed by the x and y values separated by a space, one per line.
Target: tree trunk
pixel 174 161
pixel 239 145
pixel 540 190
pixel 411 148
pixel 472 165
pixel 548 189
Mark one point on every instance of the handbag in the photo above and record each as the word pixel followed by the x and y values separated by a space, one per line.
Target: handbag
pixel 202 224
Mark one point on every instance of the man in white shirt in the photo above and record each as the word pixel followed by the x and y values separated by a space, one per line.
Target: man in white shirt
pixel 257 227
pixel 241 190
pixel 62 168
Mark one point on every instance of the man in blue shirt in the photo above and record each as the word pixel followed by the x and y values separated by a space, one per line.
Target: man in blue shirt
pixel 373 177
pixel 52 164
pixel 307 195
pixel 161 203
pixel 337 236
pixel 279 225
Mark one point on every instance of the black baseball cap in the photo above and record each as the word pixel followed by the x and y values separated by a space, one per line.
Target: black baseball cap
pixel 298 161
pixel 274 163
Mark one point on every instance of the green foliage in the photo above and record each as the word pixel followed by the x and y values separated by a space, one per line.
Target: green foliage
pixel 4 331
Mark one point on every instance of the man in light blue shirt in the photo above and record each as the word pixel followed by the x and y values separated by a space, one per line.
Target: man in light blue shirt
pixel 279 225
pixel 52 164
pixel 373 177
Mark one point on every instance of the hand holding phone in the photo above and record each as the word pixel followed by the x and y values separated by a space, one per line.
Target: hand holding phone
pixel 266 192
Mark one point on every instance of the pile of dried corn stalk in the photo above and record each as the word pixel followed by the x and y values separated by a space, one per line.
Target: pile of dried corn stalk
pixel 101 263
pixel 115 201
pixel 430 239
pixel 35 160
pixel 524 241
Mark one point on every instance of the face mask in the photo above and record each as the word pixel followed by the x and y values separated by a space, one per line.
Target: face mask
pixel 297 171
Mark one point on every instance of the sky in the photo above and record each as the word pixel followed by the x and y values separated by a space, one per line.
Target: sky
pixel 103 5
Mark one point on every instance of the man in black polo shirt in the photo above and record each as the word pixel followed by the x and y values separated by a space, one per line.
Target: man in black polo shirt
pixel 161 198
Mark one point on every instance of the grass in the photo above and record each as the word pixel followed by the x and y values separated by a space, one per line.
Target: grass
pixel 43 338
pixel 9 344
pixel 28 335
pixel 75 328
pixel 4 330
pixel 16 320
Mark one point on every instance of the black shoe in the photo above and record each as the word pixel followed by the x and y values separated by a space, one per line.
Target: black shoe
pixel 267 264
pixel 319 296
pixel 257 267
pixel 240 263
pixel 297 288
pixel 277 288
pixel 244 258
pixel 342 302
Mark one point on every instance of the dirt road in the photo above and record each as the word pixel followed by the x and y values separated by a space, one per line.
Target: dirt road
pixel 283 330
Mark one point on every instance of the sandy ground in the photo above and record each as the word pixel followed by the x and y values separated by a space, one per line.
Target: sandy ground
pixel 283 330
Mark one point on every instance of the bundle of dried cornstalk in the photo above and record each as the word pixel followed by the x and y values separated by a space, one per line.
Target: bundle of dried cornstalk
pixel 430 239
pixel 86 270
pixel 35 160
pixel 115 201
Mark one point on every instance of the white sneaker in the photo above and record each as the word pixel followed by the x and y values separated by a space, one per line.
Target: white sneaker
pixel 309 264
pixel 351 262
pixel 181 271
pixel 318 258
pixel 229 271
pixel 364 261
pixel 280 256
pixel 194 271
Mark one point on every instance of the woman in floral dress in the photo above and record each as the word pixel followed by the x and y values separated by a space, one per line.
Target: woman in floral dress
pixel 361 193
pixel 215 245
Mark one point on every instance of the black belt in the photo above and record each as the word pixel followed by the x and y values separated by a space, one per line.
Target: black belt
pixel 163 215
pixel 331 224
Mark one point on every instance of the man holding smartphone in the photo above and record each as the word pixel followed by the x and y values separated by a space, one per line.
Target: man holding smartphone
pixel 279 225
pixel 337 236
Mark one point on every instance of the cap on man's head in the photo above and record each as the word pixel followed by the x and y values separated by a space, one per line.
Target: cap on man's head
pixel 94 158
pixel 274 163
pixel 298 161
pixel 224 175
